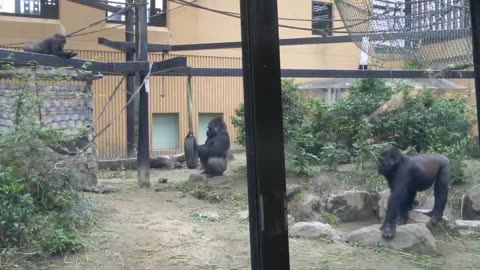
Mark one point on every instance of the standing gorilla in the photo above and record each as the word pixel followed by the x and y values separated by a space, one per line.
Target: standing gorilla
pixel 213 154
pixel 408 175
pixel 51 45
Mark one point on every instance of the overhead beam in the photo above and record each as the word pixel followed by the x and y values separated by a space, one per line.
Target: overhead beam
pixel 331 73
pixel 98 5
pixel 106 68
pixel 122 46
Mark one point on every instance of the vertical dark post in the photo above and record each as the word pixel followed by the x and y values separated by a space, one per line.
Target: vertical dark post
pixel 143 156
pixel 264 126
pixel 474 14
pixel 130 81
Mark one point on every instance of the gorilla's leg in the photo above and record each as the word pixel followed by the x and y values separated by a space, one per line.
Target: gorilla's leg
pixel 397 200
pixel 216 166
pixel 440 191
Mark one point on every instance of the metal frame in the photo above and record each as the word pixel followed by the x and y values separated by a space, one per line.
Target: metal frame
pixel 171 66
pixel 264 135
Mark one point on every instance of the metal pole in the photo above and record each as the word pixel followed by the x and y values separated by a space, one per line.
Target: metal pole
pixel 130 81
pixel 474 14
pixel 143 156
pixel 264 130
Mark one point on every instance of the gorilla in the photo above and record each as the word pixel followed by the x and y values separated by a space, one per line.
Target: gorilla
pixel 408 175
pixel 213 154
pixel 50 45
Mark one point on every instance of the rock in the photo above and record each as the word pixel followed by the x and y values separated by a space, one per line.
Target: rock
pixel 178 165
pixel 430 201
pixel 243 215
pixel 216 180
pixel 315 230
pixel 381 207
pixel 409 238
pixel 310 208
pixel 416 216
pixel 351 205
pixel 422 211
pixel 471 204
pixel 292 190
pixel 209 215
pixel 162 180
pixel 467 224
pixel 197 178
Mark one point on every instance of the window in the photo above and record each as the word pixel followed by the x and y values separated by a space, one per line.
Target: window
pixel 203 119
pixel 164 131
pixel 322 18
pixel 155 9
pixel 30 8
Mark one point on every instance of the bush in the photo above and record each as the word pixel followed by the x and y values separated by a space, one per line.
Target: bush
pixel 39 211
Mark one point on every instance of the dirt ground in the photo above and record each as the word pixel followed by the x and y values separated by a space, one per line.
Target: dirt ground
pixel 157 228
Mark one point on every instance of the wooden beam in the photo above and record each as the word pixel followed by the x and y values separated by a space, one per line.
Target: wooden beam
pixel 98 5
pixel 106 68
pixel 475 20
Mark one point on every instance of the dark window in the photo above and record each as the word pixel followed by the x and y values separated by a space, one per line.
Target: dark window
pixel 155 9
pixel 30 8
pixel 322 18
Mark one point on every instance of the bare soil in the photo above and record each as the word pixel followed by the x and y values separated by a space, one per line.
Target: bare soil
pixel 157 228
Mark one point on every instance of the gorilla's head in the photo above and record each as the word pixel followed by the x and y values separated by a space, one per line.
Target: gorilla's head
pixel 216 126
pixel 388 160
pixel 61 40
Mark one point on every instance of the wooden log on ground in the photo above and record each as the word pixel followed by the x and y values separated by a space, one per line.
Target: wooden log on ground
pixel 161 162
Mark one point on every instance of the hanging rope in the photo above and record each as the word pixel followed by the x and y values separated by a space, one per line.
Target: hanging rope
pixel 189 104
pixel 190 146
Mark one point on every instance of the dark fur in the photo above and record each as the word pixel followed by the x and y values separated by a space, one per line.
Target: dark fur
pixel 408 175
pixel 52 45
pixel 213 154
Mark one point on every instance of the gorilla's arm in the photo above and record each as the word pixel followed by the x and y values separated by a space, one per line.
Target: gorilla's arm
pixel 397 198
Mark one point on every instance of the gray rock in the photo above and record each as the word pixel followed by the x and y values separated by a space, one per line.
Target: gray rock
pixel 409 238
pixel 471 204
pixel 310 208
pixel 430 201
pixel 243 215
pixel 315 230
pixel 351 205
pixel 382 204
pixel 196 178
pixel 292 190
pixel 467 224
pixel 216 180
pixel 209 215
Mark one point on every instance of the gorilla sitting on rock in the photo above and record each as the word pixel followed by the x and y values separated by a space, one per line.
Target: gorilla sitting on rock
pixel 408 175
pixel 213 154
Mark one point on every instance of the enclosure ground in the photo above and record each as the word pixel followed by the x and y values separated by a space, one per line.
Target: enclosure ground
pixel 157 229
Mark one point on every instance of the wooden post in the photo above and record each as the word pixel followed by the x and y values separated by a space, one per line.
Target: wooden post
pixel 267 198
pixel 474 14
pixel 143 156
pixel 130 81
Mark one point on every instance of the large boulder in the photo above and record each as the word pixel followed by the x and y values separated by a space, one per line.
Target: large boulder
pixel 382 204
pixel 292 190
pixel 310 208
pixel 409 238
pixel 351 205
pixel 315 230
pixel 471 204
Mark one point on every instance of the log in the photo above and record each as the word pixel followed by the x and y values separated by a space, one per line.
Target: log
pixel 161 162
pixel 395 102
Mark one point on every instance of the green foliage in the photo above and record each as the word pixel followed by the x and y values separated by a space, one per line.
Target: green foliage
pixel 39 212
pixel 238 122
pixel 334 134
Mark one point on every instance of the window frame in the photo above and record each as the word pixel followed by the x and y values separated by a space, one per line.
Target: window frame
pixel 328 32
pixel 47 11
pixel 158 21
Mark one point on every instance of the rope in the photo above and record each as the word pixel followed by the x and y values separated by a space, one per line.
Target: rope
pixel 189 104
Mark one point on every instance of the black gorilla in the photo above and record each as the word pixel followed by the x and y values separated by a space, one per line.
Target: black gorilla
pixel 51 45
pixel 213 154
pixel 408 175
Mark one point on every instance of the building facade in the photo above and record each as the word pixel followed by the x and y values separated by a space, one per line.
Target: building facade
pixel 172 23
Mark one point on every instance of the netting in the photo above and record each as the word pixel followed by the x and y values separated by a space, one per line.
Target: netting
pixel 432 33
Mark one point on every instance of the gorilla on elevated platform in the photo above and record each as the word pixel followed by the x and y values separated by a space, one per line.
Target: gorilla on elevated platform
pixel 408 175
pixel 51 45
pixel 213 154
